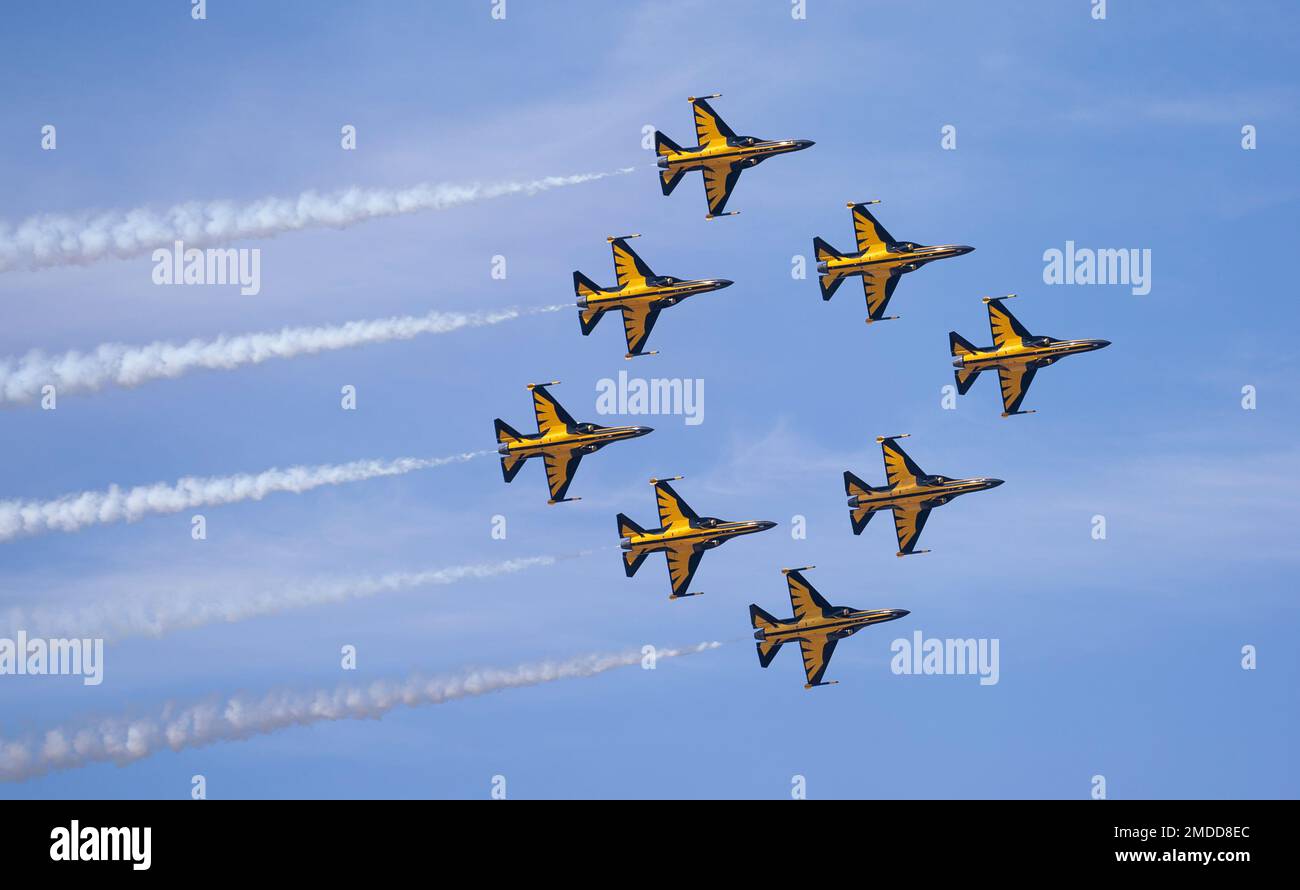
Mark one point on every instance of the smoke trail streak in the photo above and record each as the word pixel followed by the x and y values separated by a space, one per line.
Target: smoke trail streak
pixel 22 379
pixel 118 617
pixel 73 512
pixel 85 237
pixel 124 740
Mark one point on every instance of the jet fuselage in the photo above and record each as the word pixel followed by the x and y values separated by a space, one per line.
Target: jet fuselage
pixel 708 534
pixel 586 436
pixel 927 490
pixel 915 255
pixel 748 151
pixel 1035 350
pixel 843 622
pixel 659 292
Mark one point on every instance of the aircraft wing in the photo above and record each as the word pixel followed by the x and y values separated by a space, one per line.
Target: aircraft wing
pixel 1007 329
pixel 638 321
pixel 899 467
pixel 719 179
pixel 805 598
pixel 868 230
pixel 628 267
pixel 560 467
pixel 673 511
pixel 710 128
pixel 551 416
pixel 683 560
pixel 879 283
pixel 1015 384
pixel 817 649
pixel 909 519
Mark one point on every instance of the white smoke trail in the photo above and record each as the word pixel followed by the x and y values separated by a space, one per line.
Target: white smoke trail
pixel 22 379
pixel 73 512
pixel 58 239
pixel 127 739
pixel 118 617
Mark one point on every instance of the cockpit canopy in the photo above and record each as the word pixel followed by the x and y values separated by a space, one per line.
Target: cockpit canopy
pixel 1038 341
pixel 747 140
pixel 663 281
pixel 934 480
pixel 710 522
pixel 587 427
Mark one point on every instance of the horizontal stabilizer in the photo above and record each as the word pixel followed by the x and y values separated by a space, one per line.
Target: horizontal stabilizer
pixel 960 345
pixel 767 650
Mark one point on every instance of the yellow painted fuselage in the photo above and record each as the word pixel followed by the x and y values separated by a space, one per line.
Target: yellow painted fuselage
pixel 563 441
pixel 708 534
pixel 746 152
pixel 1019 353
pixel 652 296
pixel 921 493
pixel 844 623
pixel 914 256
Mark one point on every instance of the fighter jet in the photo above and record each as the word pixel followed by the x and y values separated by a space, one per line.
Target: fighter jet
pixel 640 294
pixel 683 537
pixel 911 493
pixel 1016 354
pixel 560 441
pixel 816 625
pixel 880 260
pixel 721 155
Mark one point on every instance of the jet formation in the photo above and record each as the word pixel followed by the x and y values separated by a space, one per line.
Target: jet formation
pixel 560 441
pixel 910 492
pixel 1015 354
pixel 683 536
pixel 639 294
pixel 880 260
pixel 721 155
pixel 816 626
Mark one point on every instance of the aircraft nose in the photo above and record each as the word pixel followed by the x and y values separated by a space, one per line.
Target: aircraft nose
pixel 804 143
pixel 1100 344
pixel 963 249
pixel 992 483
pixel 643 430
pixel 901 613
pixel 720 283
pixel 763 525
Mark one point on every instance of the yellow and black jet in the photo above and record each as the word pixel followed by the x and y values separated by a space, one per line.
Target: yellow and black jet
pixel 683 536
pixel 817 626
pixel 721 155
pixel 640 294
pixel 1016 354
pixel 880 260
pixel 560 441
pixel 911 493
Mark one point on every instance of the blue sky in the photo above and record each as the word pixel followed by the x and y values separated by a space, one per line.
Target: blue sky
pixel 1118 657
